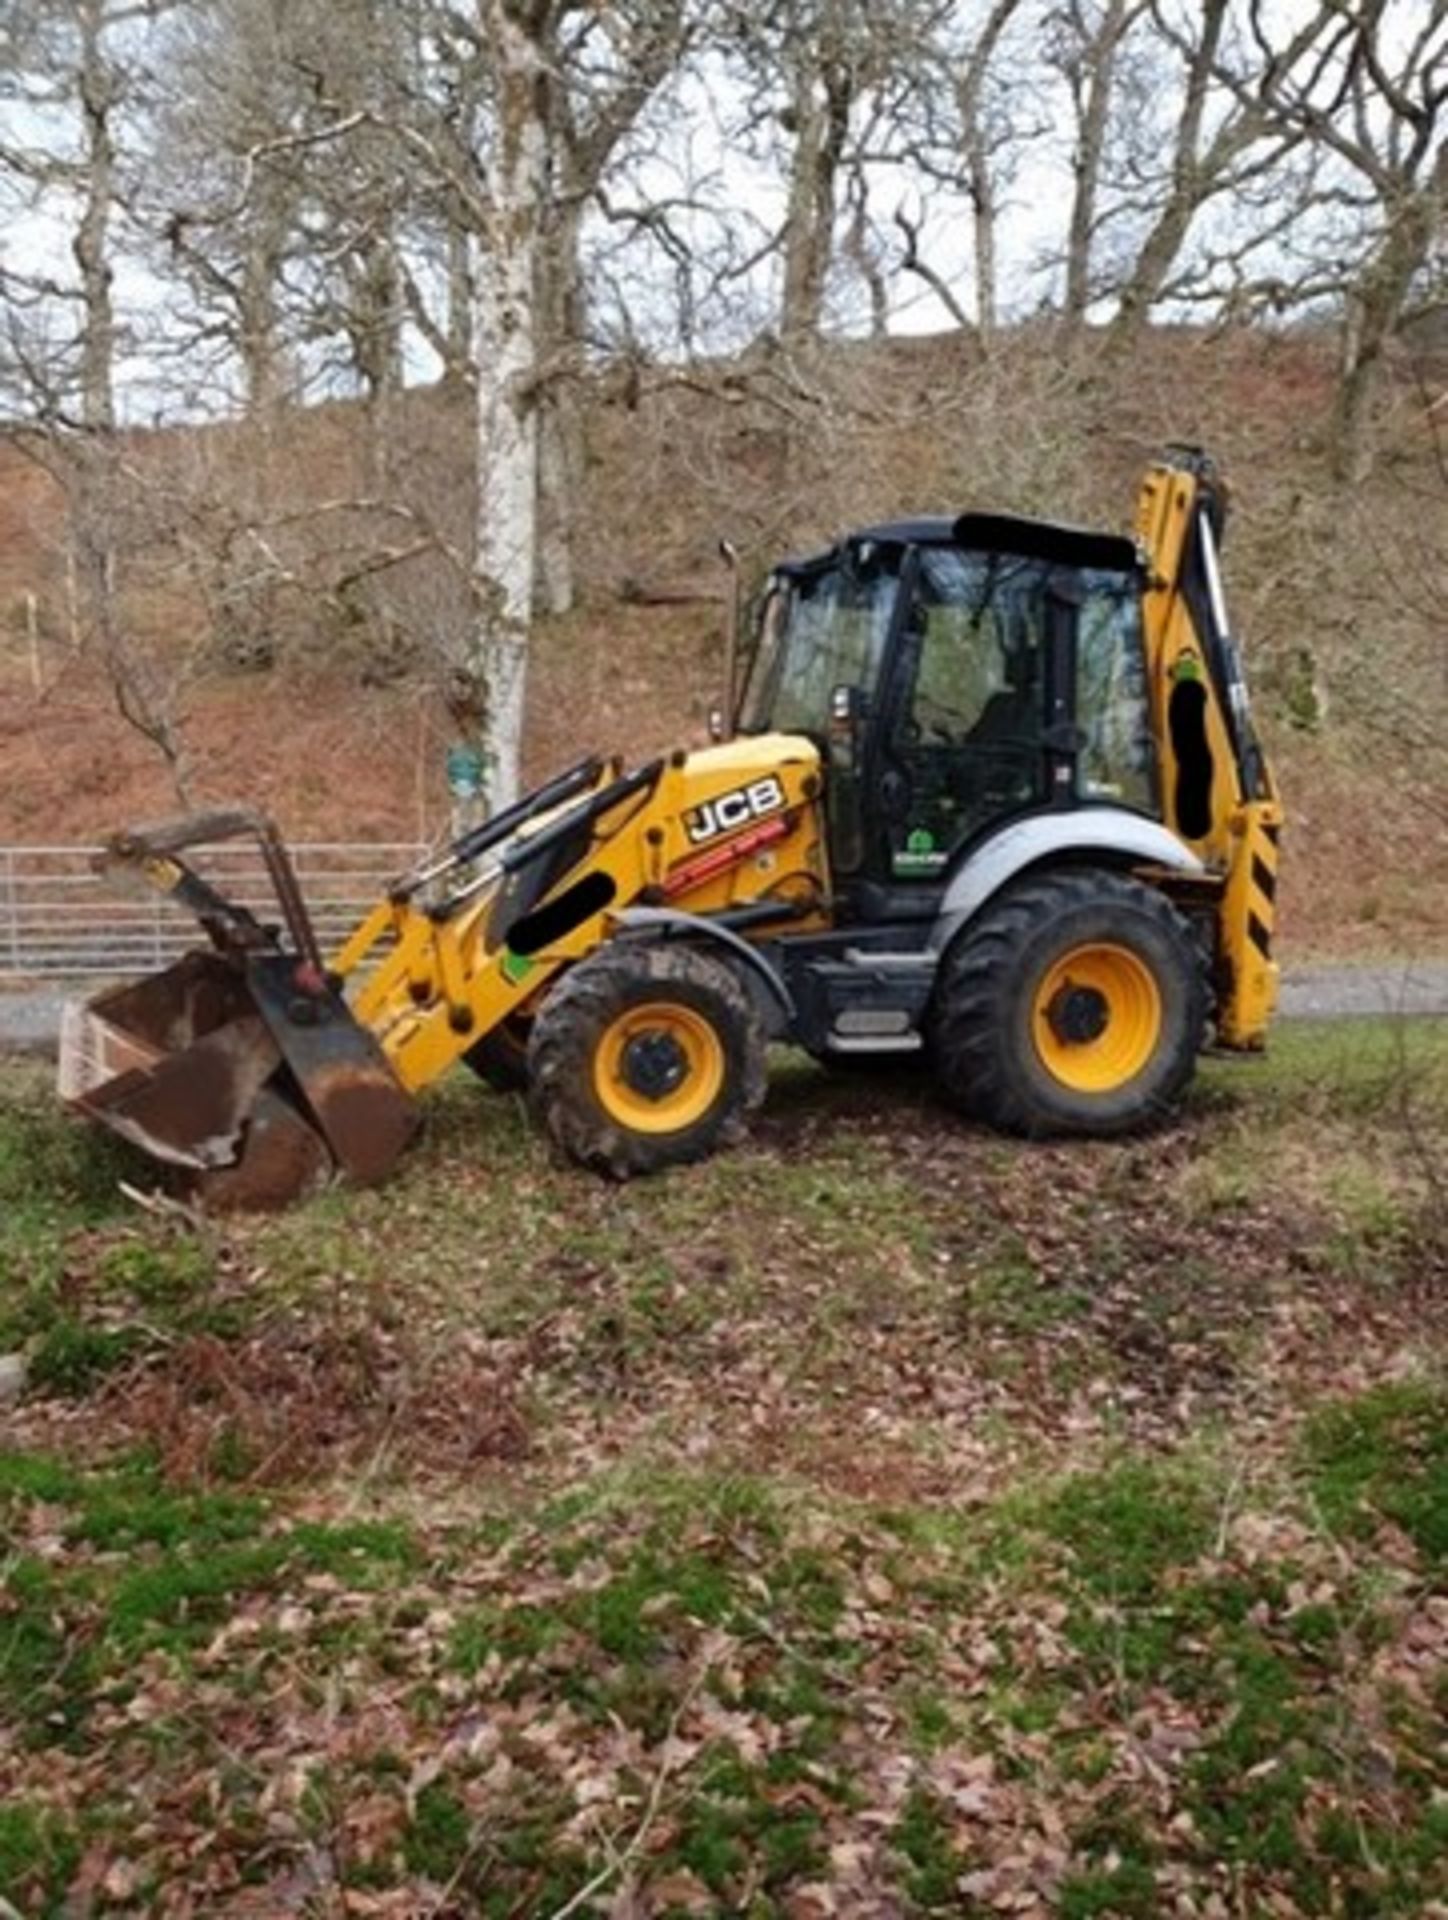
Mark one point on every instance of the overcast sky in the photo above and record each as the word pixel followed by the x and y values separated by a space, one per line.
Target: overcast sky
pixel 693 151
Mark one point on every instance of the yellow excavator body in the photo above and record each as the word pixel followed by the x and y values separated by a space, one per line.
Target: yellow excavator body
pixel 992 795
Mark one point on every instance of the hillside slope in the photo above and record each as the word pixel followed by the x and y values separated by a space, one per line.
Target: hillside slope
pixel 311 684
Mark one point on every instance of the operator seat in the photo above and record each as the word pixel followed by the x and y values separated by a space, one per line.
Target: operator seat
pixel 999 755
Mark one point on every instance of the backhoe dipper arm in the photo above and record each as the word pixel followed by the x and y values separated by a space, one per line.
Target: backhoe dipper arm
pixel 1218 790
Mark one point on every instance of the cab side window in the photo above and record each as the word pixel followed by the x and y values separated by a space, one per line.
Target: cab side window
pixel 1118 753
pixel 967 747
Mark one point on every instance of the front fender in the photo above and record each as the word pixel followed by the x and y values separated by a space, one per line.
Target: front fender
pixel 776 1001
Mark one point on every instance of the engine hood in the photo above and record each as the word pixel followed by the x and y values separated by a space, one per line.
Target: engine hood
pixel 751 754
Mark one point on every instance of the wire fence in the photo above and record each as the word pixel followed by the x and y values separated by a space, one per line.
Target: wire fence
pixel 58 918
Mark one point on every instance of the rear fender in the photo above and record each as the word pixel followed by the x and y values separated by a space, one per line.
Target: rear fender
pixel 1106 834
pixel 771 995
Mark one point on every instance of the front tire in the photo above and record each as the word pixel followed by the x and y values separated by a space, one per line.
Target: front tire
pixel 1074 1004
pixel 647 1054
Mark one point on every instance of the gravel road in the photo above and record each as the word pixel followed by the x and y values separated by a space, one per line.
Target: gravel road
pixel 30 1016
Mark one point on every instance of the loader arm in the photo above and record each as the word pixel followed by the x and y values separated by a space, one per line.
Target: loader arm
pixel 441 977
pixel 433 979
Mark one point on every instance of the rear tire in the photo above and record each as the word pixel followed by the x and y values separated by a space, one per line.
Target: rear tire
pixel 647 1054
pixel 1074 1004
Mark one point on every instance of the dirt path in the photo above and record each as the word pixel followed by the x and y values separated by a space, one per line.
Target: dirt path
pixel 30 1016
pixel 1339 992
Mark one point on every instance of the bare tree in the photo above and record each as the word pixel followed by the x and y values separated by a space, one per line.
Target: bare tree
pixel 822 65
pixel 287 239
pixel 609 65
pixel 964 124
pixel 73 74
pixel 1086 45
pixel 984 130
pixel 65 74
pixel 1217 146
pixel 1367 87
pixel 815 78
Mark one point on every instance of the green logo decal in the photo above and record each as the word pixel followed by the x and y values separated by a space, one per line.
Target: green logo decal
pixel 919 854
pixel 516 967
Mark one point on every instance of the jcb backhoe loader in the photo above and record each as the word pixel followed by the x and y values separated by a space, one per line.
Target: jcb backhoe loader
pixel 990 793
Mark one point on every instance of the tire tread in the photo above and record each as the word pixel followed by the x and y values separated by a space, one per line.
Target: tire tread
pixel 974 1010
pixel 578 1009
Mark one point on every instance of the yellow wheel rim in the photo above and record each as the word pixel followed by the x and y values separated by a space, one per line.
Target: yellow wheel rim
pixel 658 1068
pixel 1096 1018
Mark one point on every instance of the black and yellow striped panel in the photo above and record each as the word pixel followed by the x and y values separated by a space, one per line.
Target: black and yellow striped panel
pixel 1262 891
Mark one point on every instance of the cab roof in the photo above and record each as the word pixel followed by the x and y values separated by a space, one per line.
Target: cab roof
pixel 992 533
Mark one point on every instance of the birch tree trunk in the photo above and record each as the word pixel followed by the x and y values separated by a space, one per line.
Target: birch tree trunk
pixel 821 126
pixel 91 242
pixel 560 422
pixel 488 692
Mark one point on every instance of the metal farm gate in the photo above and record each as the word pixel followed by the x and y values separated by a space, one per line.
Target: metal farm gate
pixel 58 919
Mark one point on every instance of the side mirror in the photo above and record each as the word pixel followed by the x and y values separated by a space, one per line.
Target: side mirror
pixel 847 713
pixel 729 554
pixel 847 705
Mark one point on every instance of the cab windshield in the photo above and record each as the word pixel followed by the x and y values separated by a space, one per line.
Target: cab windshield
pixel 819 630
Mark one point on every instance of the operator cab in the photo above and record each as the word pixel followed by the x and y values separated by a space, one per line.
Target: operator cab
pixel 956 674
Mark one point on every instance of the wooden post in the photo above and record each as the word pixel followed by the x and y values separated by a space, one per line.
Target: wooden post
pixel 32 634
pixel 72 595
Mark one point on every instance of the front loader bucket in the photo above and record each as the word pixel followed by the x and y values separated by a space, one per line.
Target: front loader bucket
pixel 173 1063
pixel 251 1084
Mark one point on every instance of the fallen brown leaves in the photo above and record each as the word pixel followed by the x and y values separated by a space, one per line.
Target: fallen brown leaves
pixel 726 1596
pixel 305 1396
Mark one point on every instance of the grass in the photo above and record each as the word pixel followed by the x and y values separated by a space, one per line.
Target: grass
pixel 1382 1457
pixel 148 1570
pixel 883 1507
pixel 38 1852
pixel 923 1838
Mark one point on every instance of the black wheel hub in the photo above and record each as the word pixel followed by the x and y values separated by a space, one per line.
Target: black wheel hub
pixel 654 1065
pixel 1078 1015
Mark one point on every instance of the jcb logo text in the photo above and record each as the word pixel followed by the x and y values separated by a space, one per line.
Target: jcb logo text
pixel 730 811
